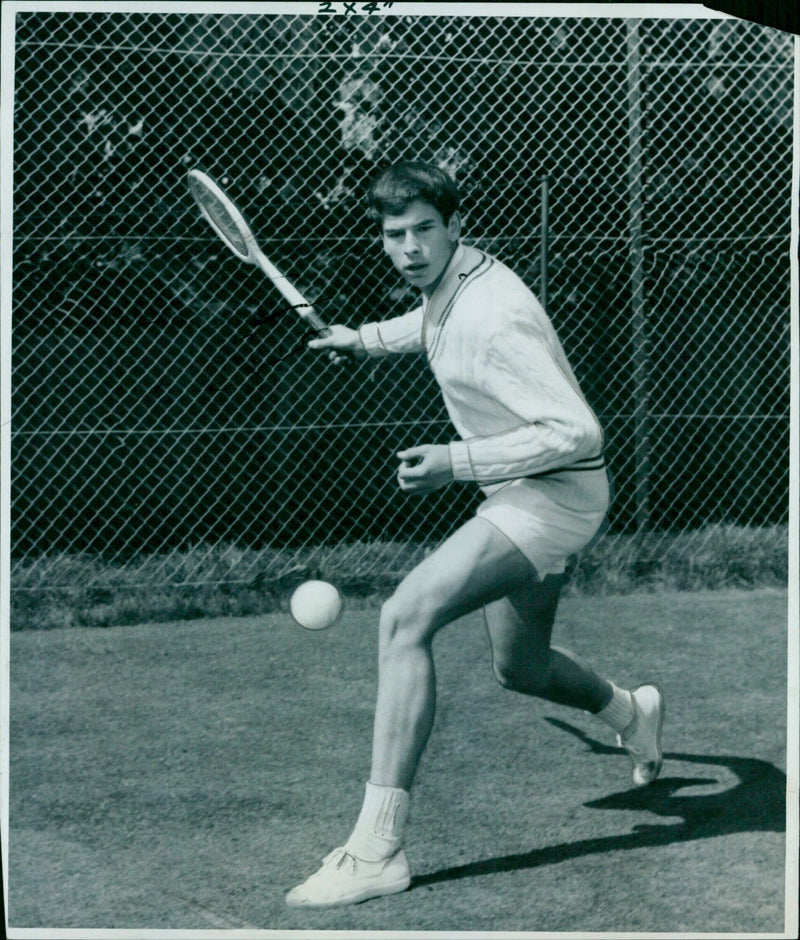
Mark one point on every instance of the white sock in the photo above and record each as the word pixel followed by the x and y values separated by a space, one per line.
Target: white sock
pixel 379 829
pixel 619 712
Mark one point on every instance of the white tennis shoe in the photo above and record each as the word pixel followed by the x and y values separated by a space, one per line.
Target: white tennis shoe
pixel 345 879
pixel 642 738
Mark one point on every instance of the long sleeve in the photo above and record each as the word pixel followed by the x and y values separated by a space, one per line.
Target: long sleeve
pixel 506 382
pixel 526 451
pixel 523 412
pixel 401 334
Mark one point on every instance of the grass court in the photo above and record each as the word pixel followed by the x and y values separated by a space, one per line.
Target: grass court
pixel 186 775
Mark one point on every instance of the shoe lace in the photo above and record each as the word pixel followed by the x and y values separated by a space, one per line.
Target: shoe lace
pixel 339 858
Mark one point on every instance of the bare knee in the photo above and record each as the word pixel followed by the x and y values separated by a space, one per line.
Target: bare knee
pixel 406 621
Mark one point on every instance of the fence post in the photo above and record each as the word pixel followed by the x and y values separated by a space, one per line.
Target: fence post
pixel 639 324
pixel 544 239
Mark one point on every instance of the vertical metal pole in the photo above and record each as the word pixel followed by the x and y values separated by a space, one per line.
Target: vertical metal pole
pixel 544 240
pixel 639 321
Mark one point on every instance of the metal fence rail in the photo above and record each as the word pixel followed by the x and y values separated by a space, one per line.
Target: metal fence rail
pixel 162 398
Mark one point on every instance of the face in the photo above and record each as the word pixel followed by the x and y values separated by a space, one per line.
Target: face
pixel 421 244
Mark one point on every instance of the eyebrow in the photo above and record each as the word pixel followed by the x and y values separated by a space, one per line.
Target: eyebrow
pixel 390 229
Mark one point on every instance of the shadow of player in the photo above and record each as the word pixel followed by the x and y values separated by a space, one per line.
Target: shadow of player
pixel 756 803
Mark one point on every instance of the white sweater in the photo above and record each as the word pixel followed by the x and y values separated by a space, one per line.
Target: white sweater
pixel 506 382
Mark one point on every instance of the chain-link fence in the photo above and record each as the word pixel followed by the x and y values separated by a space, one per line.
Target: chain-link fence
pixel 636 174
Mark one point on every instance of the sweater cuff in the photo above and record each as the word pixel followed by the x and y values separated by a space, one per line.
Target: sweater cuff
pixel 371 339
pixel 460 462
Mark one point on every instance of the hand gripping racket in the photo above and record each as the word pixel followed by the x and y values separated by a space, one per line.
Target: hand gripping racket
pixel 229 223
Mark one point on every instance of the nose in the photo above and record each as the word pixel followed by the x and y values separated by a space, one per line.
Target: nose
pixel 410 244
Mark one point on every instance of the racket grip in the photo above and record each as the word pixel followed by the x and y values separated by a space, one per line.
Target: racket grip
pixel 311 317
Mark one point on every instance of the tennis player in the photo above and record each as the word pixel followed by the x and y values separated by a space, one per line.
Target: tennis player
pixel 532 444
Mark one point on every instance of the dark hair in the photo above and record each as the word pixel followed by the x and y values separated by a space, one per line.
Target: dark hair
pixel 393 191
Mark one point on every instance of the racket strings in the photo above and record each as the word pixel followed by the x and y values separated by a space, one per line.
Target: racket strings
pixel 220 216
pixel 224 222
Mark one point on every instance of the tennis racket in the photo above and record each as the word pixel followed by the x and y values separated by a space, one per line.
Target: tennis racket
pixel 228 222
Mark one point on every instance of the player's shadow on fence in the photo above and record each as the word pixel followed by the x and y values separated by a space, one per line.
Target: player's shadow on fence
pixel 757 803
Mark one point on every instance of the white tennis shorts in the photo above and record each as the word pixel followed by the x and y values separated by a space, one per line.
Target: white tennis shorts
pixel 549 518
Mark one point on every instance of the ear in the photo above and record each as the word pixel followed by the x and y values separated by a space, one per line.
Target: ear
pixel 454 227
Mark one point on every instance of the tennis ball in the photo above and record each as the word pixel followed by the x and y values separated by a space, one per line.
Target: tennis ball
pixel 316 605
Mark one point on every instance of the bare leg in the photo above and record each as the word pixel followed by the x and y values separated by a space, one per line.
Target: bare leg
pixel 476 565
pixel 520 626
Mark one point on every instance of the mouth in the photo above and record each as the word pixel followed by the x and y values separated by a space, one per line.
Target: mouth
pixel 412 269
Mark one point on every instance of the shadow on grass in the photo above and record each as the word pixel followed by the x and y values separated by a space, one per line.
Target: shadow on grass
pixel 757 803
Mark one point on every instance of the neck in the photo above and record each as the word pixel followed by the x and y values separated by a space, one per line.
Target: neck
pixel 430 290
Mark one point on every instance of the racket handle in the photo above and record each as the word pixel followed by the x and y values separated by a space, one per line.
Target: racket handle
pixel 311 317
pixel 302 307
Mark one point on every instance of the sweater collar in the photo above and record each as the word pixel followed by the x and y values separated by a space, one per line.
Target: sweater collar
pixel 448 282
pixel 464 262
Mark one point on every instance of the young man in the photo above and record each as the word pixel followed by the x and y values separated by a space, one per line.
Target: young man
pixel 534 446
